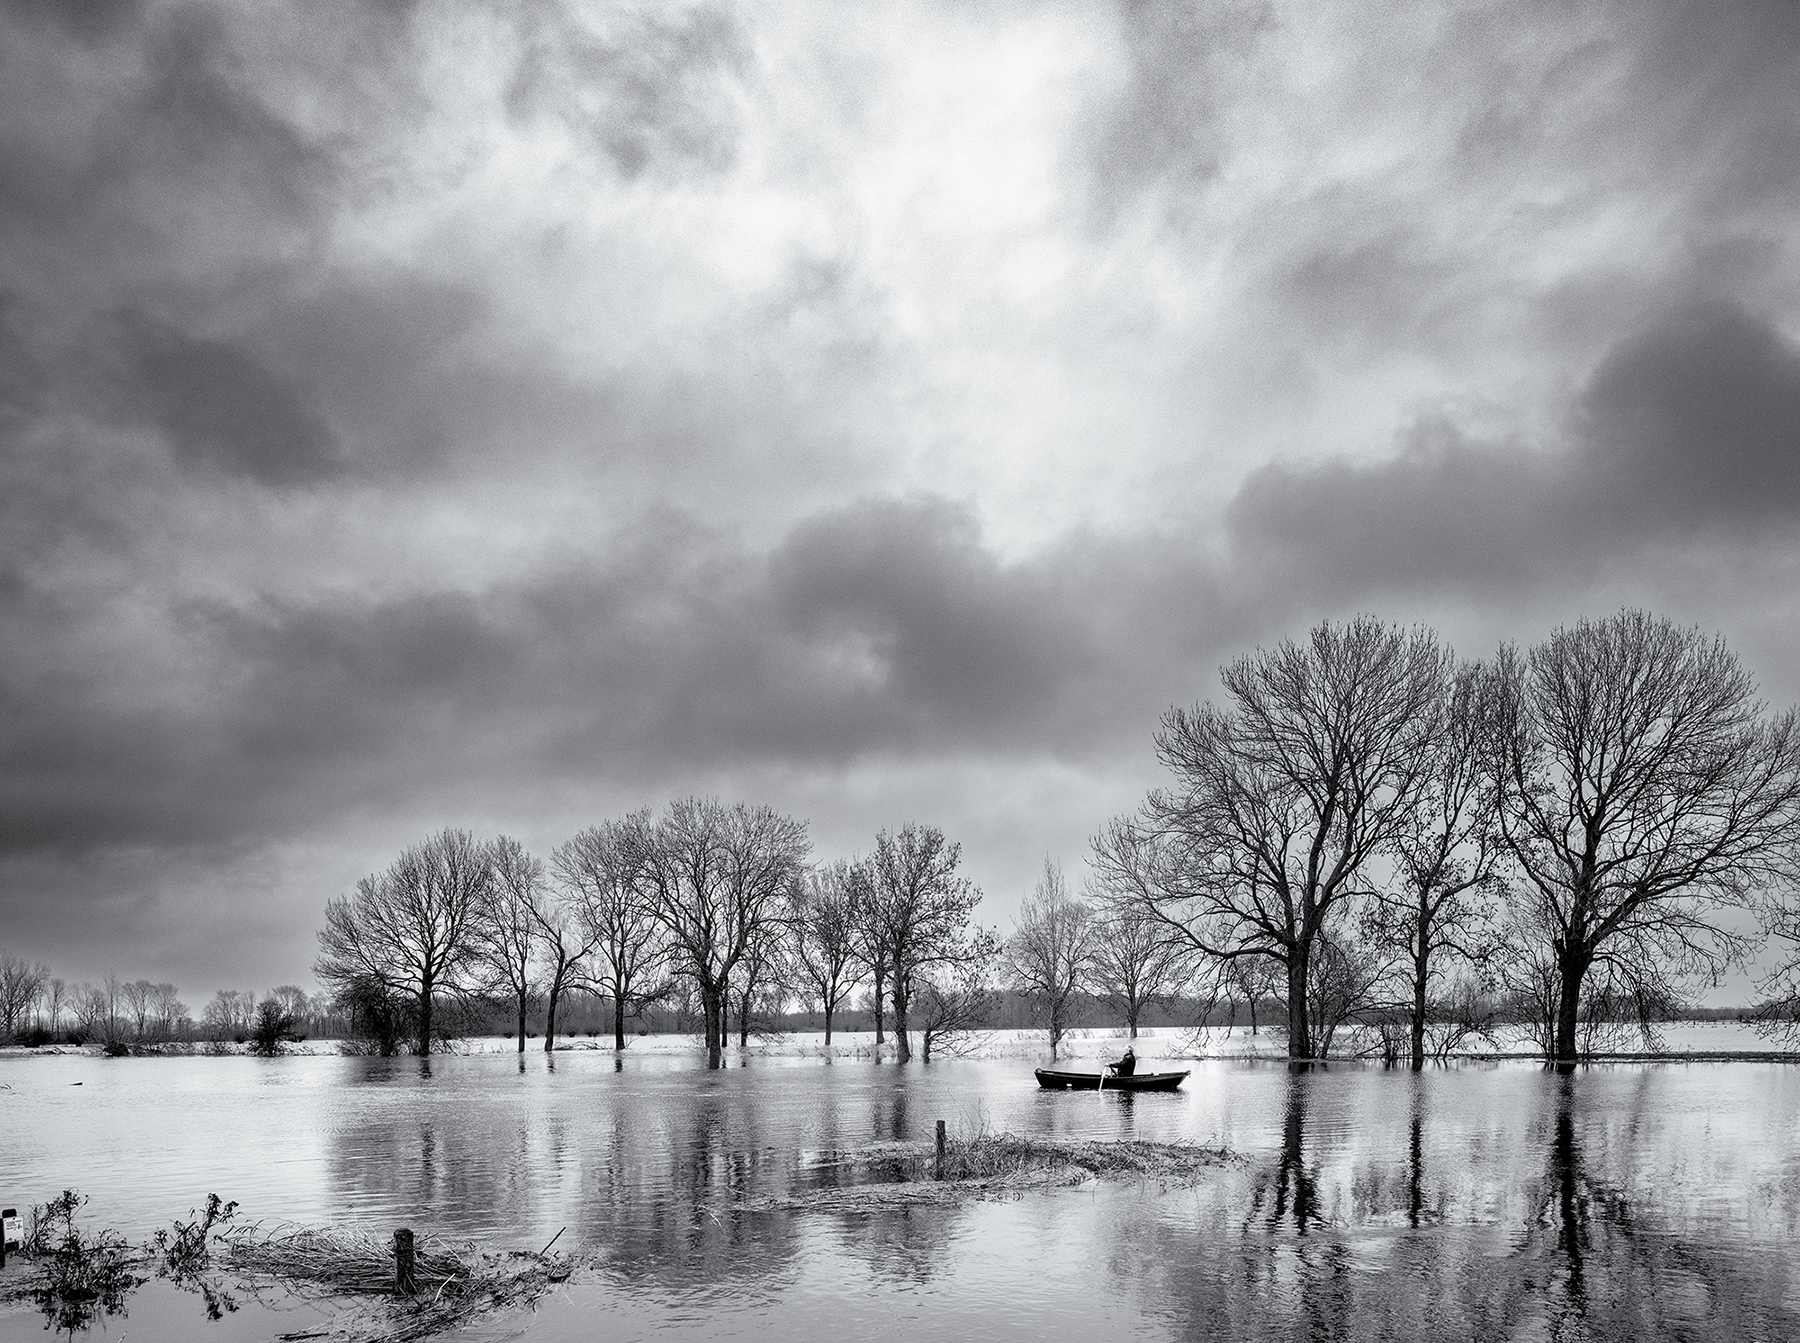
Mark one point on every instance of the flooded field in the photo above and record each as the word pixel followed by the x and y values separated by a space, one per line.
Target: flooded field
pixel 1487 1201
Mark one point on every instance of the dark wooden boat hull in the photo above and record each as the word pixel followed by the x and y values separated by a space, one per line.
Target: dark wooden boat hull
pixel 1055 1079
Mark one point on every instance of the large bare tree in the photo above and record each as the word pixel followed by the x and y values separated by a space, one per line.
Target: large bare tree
pixel 1643 786
pixel 716 877
pixel 920 909
pixel 1281 800
pixel 616 938
pixel 411 929
pixel 1436 913
pixel 1050 954
pixel 826 966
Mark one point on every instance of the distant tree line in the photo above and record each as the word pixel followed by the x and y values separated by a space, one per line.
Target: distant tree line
pixel 39 1008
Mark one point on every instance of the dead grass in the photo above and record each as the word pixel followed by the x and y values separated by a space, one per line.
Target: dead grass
pixel 456 1282
pixel 994 1165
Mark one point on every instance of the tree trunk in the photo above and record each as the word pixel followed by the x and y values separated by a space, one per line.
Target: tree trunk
pixel 828 1023
pixel 1421 977
pixel 618 1022
pixel 1300 1044
pixel 1572 964
pixel 550 1017
pixel 744 1020
pixel 1252 1001
pixel 427 992
pixel 1132 1008
pixel 712 1005
pixel 521 1023
pixel 880 984
pixel 902 1040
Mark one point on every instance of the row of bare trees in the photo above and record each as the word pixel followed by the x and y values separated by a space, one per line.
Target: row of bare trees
pixel 39 1007
pixel 1588 827
pixel 706 899
pixel 33 1001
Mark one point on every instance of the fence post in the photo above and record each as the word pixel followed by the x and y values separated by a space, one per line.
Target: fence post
pixel 404 1284
pixel 940 1149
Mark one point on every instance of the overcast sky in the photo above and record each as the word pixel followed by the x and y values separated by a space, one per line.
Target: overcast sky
pixel 506 417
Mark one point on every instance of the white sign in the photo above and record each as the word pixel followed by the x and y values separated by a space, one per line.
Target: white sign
pixel 9 1230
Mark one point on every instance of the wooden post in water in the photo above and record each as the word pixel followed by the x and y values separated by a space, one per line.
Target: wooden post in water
pixel 940 1149
pixel 404 1284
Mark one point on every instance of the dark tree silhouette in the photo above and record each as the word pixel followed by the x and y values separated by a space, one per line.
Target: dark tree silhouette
pixel 1643 787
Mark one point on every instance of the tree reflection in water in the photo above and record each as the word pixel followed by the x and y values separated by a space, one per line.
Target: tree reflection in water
pixel 1585 1265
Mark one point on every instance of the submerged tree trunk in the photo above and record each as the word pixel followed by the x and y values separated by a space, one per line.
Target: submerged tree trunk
pixel 902 1041
pixel 1572 964
pixel 1421 970
pixel 550 1017
pixel 880 996
pixel 426 993
pixel 521 1023
pixel 618 1021
pixel 1300 1044
pixel 712 1004
pixel 828 1026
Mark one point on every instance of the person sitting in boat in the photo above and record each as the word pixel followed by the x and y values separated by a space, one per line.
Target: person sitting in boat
pixel 1126 1066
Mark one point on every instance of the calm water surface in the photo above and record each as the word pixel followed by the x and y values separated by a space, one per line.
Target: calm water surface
pixel 1498 1202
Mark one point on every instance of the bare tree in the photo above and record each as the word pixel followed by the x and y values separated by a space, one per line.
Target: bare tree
pixel 1643 787
pixel 1051 952
pixel 55 999
pixel 826 964
pixel 1254 977
pixel 1136 961
pixel 1280 802
pixel 230 1013
pixel 411 929
pixel 620 945
pixel 1440 901
pixel 142 999
pixel 20 983
pixel 873 950
pixel 715 877
pixel 505 926
pixel 762 971
pixel 955 995
pixel 921 909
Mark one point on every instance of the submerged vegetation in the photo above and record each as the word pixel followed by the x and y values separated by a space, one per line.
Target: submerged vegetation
pixel 77 1276
pixel 985 1164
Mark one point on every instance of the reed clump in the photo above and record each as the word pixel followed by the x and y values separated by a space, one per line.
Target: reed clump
pixel 991 1165
pixel 454 1282
pixel 1003 1156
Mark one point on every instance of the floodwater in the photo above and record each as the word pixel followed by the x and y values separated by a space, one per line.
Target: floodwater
pixel 1490 1202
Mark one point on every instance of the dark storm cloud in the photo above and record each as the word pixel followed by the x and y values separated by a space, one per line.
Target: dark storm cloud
pixel 884 627
pixel 220 407
pixel 1687 433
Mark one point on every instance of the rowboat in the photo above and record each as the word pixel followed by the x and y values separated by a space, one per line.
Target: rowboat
pixel 1055 1079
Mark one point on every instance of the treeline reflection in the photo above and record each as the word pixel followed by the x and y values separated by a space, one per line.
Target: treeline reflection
pixel 1422 1226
